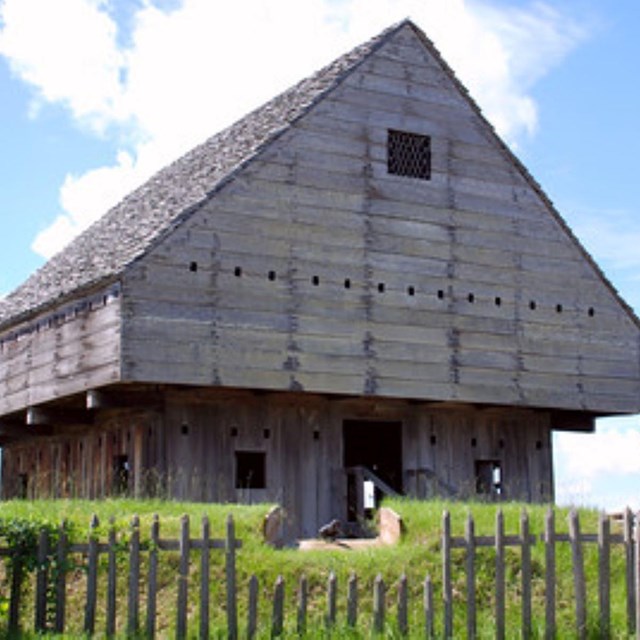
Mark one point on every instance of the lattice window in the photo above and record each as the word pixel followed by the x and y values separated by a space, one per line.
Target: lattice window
pixel 409 154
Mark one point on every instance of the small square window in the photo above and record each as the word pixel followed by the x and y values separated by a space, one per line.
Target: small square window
pixel 121 472
pixel 489 478
pixel 409 154
pixel 251 470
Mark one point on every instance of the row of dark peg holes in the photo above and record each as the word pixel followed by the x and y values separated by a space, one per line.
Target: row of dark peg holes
pixel 411 290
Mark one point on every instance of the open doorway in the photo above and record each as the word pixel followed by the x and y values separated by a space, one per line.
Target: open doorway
pixel 372 452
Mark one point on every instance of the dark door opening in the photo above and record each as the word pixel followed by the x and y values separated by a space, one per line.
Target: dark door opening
pixel 376 447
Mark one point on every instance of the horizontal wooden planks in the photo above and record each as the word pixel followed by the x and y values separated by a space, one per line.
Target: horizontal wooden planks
pixel 71 356
pixel 314 262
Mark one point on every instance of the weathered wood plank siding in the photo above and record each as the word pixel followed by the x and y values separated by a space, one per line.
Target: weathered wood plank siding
pixel 69 350
pixel 188 447
pixel 315 269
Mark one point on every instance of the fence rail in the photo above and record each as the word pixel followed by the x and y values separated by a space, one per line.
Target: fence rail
pixel 100 558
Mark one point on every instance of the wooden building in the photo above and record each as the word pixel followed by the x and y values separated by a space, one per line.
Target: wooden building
pixel 357 280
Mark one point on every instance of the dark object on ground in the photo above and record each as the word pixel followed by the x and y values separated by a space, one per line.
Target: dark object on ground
pixel 330 531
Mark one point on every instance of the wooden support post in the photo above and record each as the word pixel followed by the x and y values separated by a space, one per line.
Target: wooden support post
pixel 61 578
pixel 112 572
pixel 183 579
pixel 604 578
pixel 230 572
pixel 470 563
pixel 525 555
pixel 630 571
pixel 550 574
pixel 277 616
pixel 92 578
pixel 41 581
pixel 352 600
pixel 133 608
pixel 500 576
pixel 403 606
pixel 428 607
pixel 252 608
pixel 17 575
pixel 152 578
pixel 332 589
pixel 378 604
pixel 204 582
pixel 301 623
pixel 578 575
pixel 447 589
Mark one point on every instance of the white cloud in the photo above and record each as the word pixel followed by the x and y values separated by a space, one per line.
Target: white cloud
pixel 619 437
pixel 186 73
pixel 67 51
pixel 600 469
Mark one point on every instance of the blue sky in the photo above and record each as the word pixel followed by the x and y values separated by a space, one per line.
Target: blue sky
pixel 98 94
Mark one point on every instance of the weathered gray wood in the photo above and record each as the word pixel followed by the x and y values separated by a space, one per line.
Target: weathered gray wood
pixel 92 578
pixel 301 618
pixel 87 346
pixel 230 576
pixel 41 581
pixel 500 576
pixel 604 579
pixel 204 584
pixel 550 574
pixel 428 607
pixel 579 584
pixel 352 600
pixel 447 588
pixel 630 570
pixel 252 608
pixel 112 574
pixel 379 604
pixel 470 565
pixel 61 578
pixel 332 595
pixel 152 579
pixel 525 559
pixel 133 596
pixel 403 606
pixel 277 615
pixel 183 579
pixel 17 575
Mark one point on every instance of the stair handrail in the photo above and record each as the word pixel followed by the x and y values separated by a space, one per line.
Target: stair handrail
pixel 367 474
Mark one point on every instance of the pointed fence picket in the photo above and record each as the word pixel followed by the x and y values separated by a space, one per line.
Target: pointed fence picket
pixel 401 617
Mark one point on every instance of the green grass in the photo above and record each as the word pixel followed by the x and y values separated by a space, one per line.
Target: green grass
pixel 417 554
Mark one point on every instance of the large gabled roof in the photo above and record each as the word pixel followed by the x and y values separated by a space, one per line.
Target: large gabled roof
pixel 101 253
pixel 128 230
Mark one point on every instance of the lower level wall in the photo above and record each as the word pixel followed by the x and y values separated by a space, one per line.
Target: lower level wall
pixel 288 449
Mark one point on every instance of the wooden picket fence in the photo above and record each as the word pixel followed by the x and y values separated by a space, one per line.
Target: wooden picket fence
pixel 93 548
pixel 53 618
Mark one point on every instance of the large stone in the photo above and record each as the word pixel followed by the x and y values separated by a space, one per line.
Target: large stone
pixel 390 526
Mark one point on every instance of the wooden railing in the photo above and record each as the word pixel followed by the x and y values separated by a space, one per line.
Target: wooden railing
pixel 356 477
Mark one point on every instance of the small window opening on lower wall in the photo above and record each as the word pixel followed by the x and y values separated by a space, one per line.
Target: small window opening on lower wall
pixel 121 471
pixel 251 470
pixel 23 486
pixel 489 478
